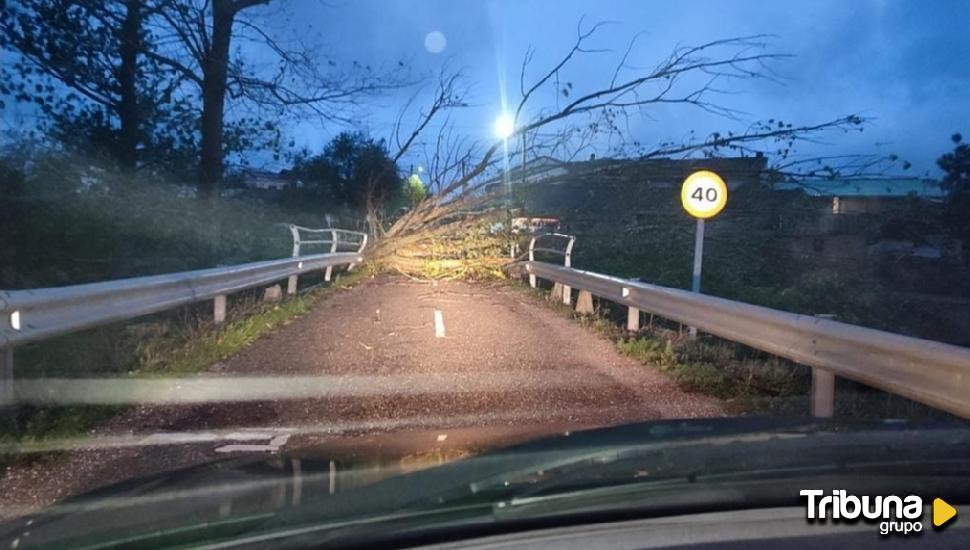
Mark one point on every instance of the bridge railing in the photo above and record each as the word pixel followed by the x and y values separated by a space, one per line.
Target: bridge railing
pixel 932 373
pixel 36 314
pixel 551 243
pixel 329 237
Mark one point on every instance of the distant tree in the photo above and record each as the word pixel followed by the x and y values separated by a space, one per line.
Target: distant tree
pixel 956 165
pixel 416 190
pixel 353 170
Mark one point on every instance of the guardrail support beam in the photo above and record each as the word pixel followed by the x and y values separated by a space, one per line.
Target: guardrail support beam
pixel 291 285
pixel 567 294
pixel 584 304
pixel 6 376
pixel 327 273
pixel 272 294
pixel 556 293
pixel 633 319
pixel 219 309
pixel 823 393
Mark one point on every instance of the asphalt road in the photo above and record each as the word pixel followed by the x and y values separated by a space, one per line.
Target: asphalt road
pixel 494 368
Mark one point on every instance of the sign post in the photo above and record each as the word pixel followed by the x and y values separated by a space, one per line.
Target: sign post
pixel 703 195
pixel 695 280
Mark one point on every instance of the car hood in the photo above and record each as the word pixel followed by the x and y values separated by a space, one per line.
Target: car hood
pixel 327 483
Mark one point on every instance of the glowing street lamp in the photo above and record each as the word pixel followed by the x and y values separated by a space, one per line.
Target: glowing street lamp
pixel 504 126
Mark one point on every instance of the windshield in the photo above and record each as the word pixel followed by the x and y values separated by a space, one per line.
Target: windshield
pixel 270 266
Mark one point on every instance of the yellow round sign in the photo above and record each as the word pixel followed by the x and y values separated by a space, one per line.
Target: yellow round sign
pixel 703 194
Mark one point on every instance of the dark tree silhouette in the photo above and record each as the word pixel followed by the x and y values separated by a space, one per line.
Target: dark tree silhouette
pixel 956 165
pixel 91 48
pixel 353 170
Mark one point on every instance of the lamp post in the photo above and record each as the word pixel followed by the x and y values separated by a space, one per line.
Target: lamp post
pixel 504 128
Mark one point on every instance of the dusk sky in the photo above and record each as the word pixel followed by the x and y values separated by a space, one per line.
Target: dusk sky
pixel 904 64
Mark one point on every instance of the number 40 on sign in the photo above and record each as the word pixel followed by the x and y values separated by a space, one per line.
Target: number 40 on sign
pixel 703 194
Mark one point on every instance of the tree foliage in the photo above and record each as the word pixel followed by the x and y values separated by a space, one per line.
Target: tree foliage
pixel 956 165
pixel 78 64
pixel 353 170
pixel 162 84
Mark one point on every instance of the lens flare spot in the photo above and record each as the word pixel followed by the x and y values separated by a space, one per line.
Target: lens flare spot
pixel 435 42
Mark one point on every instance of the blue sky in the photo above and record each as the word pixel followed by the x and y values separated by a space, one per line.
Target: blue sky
pixel 904 64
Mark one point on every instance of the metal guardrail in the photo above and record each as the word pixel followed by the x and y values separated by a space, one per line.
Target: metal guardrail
pixel 355 240
pixel 566 253
pixel 932 373
pixel 31 315
pixel 36 314
pixel 337 237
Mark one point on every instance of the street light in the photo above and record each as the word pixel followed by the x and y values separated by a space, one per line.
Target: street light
pixel 504 126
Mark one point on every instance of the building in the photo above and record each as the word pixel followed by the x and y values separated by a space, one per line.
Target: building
pixel 615 192
pixel 264 180
pixel 869 218
pixel 867 196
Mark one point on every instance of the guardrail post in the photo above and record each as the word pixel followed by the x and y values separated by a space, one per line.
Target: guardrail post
pixel 272 294
pixel 556 292
pixel 567 291
pixel 292 281
pixel 532 258
pixel 219 309
pixel 584 304
pixel 333 248
pixel 6 376
pixel 360 250
pixel 633 319
pixel 823 393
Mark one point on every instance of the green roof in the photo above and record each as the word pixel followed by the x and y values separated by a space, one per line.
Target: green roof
pixel 885 187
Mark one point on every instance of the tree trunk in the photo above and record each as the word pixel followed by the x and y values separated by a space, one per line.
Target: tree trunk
pixel 214 72
pixel 130 41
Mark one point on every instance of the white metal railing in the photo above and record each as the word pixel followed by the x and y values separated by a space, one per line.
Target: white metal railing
pixel 36 314
pixel 566 252
pixel 932 373
pixel 330 236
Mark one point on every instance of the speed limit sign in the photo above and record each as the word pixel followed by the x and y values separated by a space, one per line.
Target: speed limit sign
pixel 703 194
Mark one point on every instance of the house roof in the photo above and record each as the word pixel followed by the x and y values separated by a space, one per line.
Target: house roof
pixel 870 187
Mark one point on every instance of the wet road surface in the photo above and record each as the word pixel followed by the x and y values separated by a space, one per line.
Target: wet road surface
pixel 482 364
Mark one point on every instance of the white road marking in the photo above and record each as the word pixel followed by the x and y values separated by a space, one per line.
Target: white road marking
pixel 439 324
pixel 277 438
pixel 442 437
pixel 274 445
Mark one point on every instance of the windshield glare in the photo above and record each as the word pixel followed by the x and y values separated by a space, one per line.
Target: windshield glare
pixel 401 272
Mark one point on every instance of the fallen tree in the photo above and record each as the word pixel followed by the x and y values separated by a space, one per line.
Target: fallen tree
pixel 445 228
